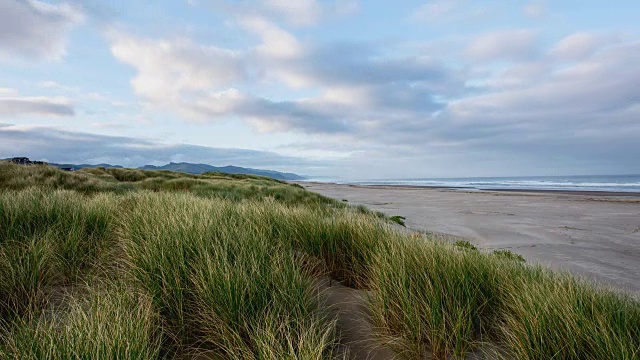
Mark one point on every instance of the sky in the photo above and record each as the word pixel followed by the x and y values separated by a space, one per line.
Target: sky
pixel 342 89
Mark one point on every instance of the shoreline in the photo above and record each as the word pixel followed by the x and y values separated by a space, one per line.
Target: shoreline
pixel 603 195
pixel 627 194
pixel 595 235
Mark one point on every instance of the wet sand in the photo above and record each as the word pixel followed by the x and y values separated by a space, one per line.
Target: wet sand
pixel 595 235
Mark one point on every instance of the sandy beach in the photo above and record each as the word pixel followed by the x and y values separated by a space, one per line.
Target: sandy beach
pixel 595 235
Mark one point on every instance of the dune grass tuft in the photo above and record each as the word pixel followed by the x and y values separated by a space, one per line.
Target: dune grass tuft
pixel 48 238
pixel 509 255
pixel 116 323
pixel 398 219
pixel 433 296
pixel 464 244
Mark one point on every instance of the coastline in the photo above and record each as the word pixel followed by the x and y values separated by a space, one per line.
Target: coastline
pixel 595 235
pixel 629 194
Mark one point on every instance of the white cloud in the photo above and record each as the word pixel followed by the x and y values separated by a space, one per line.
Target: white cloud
pixel 172 70
pixel 299 12
pixel 512 44
pixel 580 45
pixel 34 29
pixel 276 42
pixel 49 84
pixel 8 91
pixel 35 105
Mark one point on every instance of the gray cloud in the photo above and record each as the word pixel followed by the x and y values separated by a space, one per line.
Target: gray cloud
pixel 18 106
pixel 314 118
pixel 35 29
pixel 54 145
pixel 362 63
pixel 266 115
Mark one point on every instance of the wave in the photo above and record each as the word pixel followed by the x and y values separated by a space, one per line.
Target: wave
pixel 624 183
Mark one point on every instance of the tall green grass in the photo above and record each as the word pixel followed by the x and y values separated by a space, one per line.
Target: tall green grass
pixel 48 238
pixel 114 323
pixel 180 265
pixel 546 314
pixel 431 297
pixel 219 260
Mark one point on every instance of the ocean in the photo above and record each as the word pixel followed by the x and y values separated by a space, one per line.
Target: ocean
pixel 613 183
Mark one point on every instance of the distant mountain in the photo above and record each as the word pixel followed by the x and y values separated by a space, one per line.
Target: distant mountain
pixel 182 167
pixel 202 168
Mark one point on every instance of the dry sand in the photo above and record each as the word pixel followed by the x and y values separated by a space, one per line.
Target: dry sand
pixel 593 235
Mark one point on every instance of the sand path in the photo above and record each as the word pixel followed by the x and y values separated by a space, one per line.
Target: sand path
pixel 591 235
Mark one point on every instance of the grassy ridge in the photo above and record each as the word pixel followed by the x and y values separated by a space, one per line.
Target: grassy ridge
pixel 226 266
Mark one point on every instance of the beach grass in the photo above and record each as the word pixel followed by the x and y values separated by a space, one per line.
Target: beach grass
pixel 398 219
pixel 115 322
pixel 122 263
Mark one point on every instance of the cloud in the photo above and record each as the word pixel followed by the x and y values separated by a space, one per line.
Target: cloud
pixel 309 12
pixel 512 44
pixel 8 91
pixel 443 11
pixel 307 115
pixel 266 115
pixel 580 114
pixel 276 42
pixel 169 69
pixel 197 81
pixel 34 29
pixel 580 45
pixel 54 145
pixel 35 105
pixel 299 13
pixel 206 83
pixel 605 82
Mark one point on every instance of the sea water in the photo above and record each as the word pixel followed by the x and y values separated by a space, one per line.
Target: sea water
pixel 613 183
